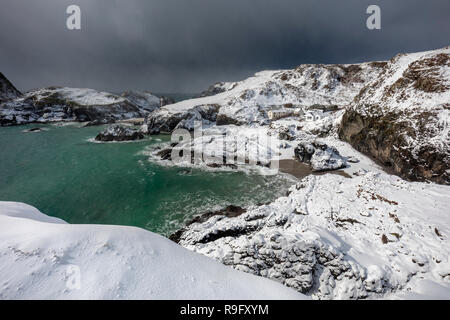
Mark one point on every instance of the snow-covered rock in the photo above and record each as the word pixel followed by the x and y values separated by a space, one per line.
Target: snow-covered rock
pixel 166 119
pixel 320 156
pixel 117 132
pixel 45 258
pixel 371 236
pixel 7 89
pixel 402 117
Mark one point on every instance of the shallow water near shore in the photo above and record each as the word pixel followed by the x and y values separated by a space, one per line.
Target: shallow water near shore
pixel 61 173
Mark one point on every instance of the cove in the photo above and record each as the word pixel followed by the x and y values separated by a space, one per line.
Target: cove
pixel 60 172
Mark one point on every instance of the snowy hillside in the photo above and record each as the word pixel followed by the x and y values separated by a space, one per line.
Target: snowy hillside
pixel 248 101
pixel 40 256
pixel 371 235
pixel 403 117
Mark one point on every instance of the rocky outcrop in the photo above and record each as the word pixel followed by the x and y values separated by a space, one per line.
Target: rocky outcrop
pixel 217 88
pixel 402 119
pixel 230 211
pixel 144 100
pixel 67 104
pixel 7 89
pixel 319 156
pixel 165 121
pixel 117 132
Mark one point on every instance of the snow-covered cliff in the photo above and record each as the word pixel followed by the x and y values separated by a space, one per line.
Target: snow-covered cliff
pixel 402 118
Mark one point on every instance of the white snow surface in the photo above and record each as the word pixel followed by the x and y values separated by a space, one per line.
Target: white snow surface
pixel 38 254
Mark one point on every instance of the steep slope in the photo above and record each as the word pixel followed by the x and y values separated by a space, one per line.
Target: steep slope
pixel 41 257
pixel 7 89
pixel 402 118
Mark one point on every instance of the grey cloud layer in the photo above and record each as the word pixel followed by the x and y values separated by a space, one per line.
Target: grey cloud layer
pixel 185 45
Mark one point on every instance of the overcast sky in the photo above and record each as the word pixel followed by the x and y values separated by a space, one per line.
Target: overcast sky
pixel 186 45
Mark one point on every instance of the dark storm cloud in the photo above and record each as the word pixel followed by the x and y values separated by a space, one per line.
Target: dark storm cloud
pixel 185 45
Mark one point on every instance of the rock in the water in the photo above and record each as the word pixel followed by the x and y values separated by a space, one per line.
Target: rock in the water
pixel 320 156
pixel 34 130
pixel 119 133
pixel 402 118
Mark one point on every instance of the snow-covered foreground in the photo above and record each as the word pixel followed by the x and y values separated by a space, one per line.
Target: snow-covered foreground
pixel 373 235
pixel 45 258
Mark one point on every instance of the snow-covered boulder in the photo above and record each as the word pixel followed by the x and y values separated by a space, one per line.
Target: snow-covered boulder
pixel 45 258
pixel 117 132
pixel 402 117
pixel 320 156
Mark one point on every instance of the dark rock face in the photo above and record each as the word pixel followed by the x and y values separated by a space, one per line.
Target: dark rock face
pixel 164 121
pixel 230 212
pixel 119 133
pixel 7 89
pixel 385 139
pixel 304 152
pixel 164 101
pixel 401 119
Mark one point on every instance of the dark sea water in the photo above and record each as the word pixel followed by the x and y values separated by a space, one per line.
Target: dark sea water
pixel 63 174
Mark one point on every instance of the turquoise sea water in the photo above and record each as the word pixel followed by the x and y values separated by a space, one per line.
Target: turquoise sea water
pixel 64 175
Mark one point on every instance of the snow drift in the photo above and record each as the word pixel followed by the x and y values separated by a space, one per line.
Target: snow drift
pixel 38 255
